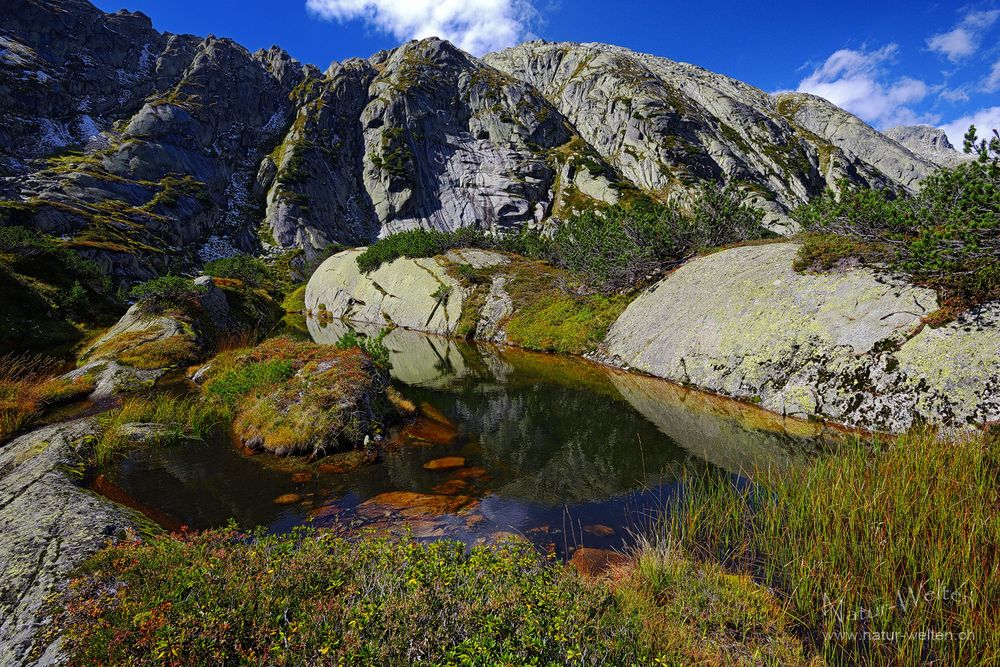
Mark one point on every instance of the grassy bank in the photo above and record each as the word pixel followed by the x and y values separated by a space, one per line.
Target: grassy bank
pixel 225 598
pixel 29 386
pixel 870 547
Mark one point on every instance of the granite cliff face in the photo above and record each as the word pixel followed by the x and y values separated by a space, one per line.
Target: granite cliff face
pixel 152 152
pixel 666 125
pixel 931 143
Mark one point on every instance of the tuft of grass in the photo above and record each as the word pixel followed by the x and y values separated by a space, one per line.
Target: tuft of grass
pixel 28 386
pixel 822 252
pixel 179 419
pixel 237 381
pixel 697 613
pixel 223 597
pixel 885 553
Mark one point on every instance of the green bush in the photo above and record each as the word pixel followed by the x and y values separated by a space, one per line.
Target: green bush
pixel 947 236
pixel 616 248
pixel 612 248
pixel 166 293
pixel 374 347
pixel 418 243
pixel 252 271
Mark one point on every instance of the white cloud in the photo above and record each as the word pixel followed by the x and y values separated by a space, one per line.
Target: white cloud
pixel 963 40
pixel 985 120
pixel 855 80
pixel 477 26
pixel 992 82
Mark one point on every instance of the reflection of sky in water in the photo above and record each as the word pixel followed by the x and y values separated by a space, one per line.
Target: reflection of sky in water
pixel 566 445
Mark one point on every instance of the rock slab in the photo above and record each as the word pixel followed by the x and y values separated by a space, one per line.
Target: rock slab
pixel 48 526
pixel 847 346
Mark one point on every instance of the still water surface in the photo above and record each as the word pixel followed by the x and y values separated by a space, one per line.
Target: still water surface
pixel 557 449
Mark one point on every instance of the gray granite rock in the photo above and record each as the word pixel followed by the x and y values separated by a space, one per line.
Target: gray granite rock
pixel 48 526
pixel 846 346
pixel 930 143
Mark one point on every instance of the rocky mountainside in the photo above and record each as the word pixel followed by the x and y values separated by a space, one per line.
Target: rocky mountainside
pixel 930 143
pixel 151 152
pixel 666 125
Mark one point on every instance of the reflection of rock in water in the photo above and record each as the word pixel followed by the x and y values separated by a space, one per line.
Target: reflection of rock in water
pixel 737 437
pixel 417 358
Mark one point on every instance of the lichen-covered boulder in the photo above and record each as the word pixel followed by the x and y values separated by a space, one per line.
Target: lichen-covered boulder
pixel 410 293
pixel 848 346
pixel 48 526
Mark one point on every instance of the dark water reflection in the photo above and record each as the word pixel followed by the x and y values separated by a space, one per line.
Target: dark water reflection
pixel 558 449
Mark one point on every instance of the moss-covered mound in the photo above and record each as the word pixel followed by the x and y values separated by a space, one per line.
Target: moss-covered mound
pixel 291 397
pixel 177 322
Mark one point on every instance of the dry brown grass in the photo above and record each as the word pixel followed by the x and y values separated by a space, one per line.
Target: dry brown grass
pixel 28 385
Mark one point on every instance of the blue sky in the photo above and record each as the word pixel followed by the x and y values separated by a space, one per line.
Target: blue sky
pixel 889 62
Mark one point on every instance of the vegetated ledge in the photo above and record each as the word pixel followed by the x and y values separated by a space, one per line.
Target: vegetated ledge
pixel 853 347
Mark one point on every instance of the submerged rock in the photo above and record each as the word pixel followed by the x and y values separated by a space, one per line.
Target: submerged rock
pixel 445 463
pixel 847 346
pixel 590 562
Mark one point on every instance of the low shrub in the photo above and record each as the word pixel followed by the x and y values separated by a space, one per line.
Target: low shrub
pixel 252 271
pixel 223 597
pixel 166 293
pixel 946 237
pixel 612 248
pixel 418 243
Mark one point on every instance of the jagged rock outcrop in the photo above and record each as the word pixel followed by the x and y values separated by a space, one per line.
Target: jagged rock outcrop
pixel 854 150
pixel 930 143
pixel 163 155
pixel 847 346
pixel 666 125
pixel 48 525
pixel 421 136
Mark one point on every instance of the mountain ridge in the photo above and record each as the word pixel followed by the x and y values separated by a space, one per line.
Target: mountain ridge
pixel 151 152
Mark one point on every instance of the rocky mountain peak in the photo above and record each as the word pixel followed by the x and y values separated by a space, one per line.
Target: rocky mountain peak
pixel 930 143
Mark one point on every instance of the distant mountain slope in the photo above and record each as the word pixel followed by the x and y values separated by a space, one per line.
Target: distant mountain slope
pixel 151 152
pixel 930 143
